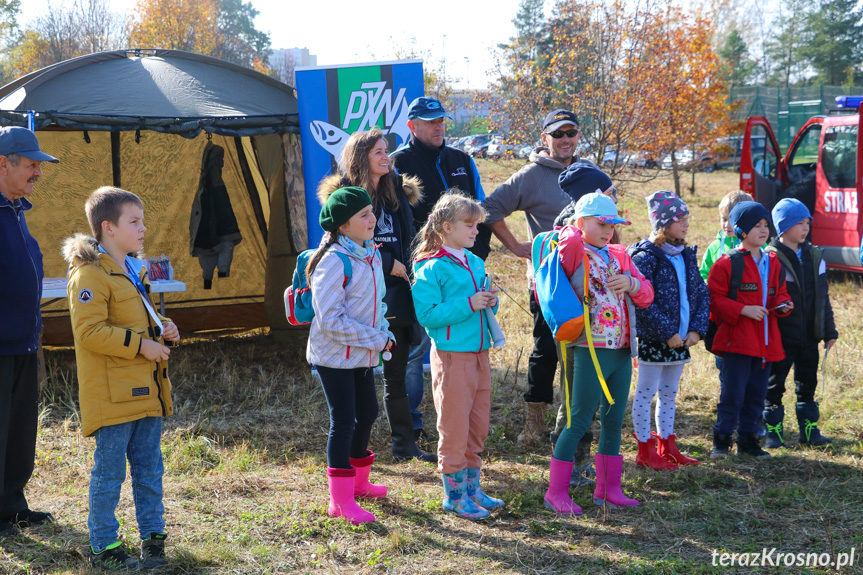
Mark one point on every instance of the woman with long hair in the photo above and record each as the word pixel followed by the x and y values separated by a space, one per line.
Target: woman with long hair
pixel 365 163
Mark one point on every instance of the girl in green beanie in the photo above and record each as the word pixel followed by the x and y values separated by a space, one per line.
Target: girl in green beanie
pixel 348 336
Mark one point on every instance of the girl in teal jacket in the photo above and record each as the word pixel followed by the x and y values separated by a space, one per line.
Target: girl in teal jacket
pixel 450 293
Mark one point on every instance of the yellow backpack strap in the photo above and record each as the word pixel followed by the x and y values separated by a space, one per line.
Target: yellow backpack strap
pixel 590 336
pixel 567 399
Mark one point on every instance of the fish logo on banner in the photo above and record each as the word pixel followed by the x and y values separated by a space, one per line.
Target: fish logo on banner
pixel 370 104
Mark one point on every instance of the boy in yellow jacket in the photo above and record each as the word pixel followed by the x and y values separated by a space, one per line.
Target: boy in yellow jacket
pixel 124 389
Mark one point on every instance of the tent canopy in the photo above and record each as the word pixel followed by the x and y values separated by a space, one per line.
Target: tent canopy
pixel 167 91
pixel 143 114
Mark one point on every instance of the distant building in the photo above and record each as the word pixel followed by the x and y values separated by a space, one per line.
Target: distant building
pixel 285 61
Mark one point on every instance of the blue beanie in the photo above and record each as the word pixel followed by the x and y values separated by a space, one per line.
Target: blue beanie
pixel 787 213
pixel 746 216
pixel 582 178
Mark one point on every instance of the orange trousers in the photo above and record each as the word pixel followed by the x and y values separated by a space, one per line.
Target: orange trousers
pixel 461 386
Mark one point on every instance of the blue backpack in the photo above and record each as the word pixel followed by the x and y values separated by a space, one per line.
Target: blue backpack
pixel 298 297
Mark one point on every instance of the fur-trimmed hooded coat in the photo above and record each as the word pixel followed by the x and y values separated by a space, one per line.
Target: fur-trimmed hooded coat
pixel 395 229
pixel 109 323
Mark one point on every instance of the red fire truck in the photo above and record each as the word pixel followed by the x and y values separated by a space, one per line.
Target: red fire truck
pixel 823 168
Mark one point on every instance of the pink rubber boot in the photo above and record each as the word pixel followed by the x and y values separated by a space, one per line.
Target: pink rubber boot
pixel 609 468
pixel 362 487
pixel 342 503
pixel 557 497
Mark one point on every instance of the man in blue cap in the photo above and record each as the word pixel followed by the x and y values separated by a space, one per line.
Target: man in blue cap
pixel 440 168
pixel 20 294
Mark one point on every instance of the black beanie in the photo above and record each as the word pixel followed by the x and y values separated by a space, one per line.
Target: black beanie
pixel 341 206
pixel 745 216
pixel 581 178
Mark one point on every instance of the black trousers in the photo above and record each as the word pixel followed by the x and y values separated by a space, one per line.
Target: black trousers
pixel 353 405
pixel 396 368
pixel 19 396
pixel 542 364
pixel 805 363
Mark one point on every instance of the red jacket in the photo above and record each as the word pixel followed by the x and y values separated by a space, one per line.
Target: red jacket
pixel 737 333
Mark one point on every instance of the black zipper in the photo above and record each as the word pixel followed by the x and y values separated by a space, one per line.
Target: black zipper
pixel 32 263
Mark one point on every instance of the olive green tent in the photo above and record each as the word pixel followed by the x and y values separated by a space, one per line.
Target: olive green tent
pixel 140 120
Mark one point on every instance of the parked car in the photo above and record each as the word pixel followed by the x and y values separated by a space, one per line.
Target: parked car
pixel 524 151
pixel 476 145
pixel 820 170
pixel 688 160
pixel 498 148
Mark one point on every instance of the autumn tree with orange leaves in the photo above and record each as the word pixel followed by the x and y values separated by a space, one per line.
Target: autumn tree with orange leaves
pixel 190 25
pixel 642 78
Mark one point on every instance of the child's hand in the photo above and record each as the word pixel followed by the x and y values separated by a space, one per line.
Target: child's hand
pixel 619 284
pixel 170 332
pixel 787 308
pixel 399 270
pixel 755 312
pixel 828 344
pixel 154 351
pixel 481 300
pixel 675 341
pixel 692 338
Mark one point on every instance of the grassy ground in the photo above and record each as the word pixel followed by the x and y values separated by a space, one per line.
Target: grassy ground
pixel 245 488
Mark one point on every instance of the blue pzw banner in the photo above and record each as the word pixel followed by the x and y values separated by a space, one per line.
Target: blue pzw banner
pixel 334 102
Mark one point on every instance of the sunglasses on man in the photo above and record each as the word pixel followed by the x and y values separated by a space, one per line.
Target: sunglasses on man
pixel 557 134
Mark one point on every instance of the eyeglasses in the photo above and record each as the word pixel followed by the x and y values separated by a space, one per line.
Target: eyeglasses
pixel 557 134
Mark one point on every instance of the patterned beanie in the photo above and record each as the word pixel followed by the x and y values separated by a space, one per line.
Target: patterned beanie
pixel 665 208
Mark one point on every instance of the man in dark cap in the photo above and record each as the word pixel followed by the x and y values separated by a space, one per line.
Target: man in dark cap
pixel 534 190
pixel 20 294
pixel 440 168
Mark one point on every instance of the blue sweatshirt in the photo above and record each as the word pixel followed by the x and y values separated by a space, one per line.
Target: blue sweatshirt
pixel 20 281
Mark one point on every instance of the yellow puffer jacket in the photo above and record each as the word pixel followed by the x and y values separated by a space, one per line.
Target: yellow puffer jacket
pixel 109 321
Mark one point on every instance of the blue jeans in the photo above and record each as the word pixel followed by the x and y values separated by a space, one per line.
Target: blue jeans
pixel 414 383
pixel 140 442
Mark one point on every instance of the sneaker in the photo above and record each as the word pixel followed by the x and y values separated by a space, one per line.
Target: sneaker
pixel 153 551
pixel 114 559
pixel 747 444
pixel 30 518
pixel 721 445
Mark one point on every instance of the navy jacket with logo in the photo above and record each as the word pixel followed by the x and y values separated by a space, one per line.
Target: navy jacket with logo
pixel 20 281
pixel 439 169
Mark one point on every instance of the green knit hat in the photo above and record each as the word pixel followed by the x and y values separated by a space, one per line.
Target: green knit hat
pixel 341 206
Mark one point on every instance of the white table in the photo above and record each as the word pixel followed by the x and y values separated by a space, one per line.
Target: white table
pixel 55 288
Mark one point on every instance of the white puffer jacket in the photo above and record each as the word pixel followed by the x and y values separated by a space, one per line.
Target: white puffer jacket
pixel 350 328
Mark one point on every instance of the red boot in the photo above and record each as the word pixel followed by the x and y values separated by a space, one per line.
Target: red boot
pixel 668 451
pixel 647 456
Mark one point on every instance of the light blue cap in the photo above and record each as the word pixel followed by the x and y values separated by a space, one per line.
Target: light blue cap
pixel 599 206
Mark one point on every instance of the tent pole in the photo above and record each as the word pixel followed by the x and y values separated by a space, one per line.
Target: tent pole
pixel 115 158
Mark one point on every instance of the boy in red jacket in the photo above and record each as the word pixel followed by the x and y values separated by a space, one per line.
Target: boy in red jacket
pixel 747 337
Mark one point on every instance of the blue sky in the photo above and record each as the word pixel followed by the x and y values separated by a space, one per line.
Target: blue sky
pixel 340 32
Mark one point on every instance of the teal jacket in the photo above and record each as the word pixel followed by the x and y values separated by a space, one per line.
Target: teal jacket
pixel 441 293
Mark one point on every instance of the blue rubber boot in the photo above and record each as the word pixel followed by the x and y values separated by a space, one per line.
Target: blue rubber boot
pixel 455 497
pixel 475 493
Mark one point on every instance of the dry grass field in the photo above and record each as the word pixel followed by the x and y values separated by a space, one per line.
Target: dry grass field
pixel 246 491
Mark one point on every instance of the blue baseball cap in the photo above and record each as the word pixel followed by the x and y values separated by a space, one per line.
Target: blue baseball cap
pixel 427 108
pixel 600 207
pixel 23 142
